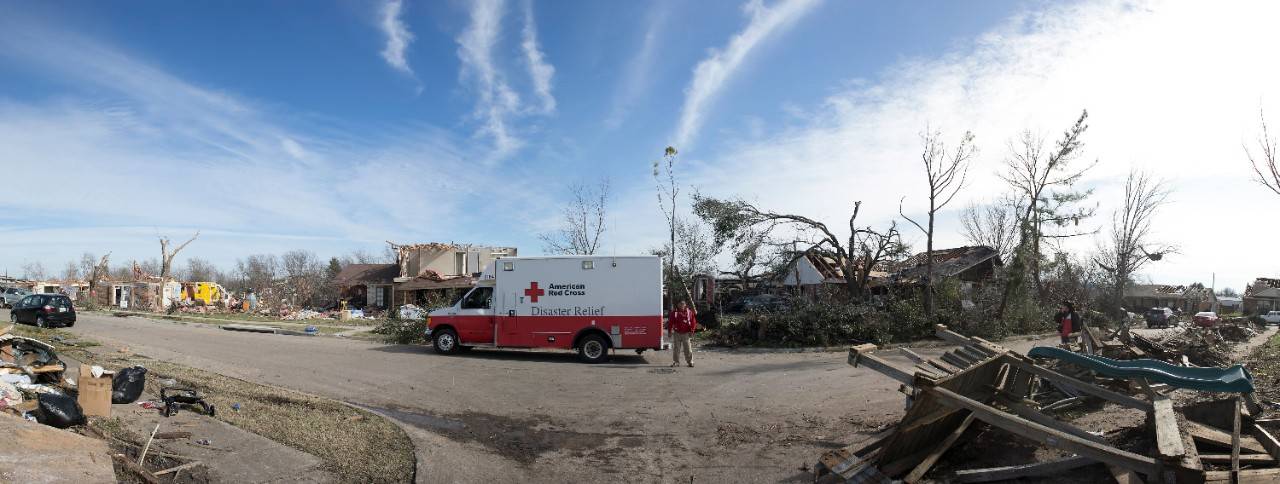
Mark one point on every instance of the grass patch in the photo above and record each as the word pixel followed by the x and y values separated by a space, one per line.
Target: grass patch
pixel 1264 363
pixel 356 445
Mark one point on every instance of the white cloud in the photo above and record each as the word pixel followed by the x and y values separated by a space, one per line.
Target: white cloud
pixel 134 148
pixel 710 76
pixel 398 36
pixel 496 99
pixel 1171 87
pixel 540 71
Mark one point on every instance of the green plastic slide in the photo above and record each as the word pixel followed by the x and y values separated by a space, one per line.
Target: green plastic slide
pixel 1234 379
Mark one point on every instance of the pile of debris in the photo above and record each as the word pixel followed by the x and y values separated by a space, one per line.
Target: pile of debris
pixel 981 384
pixel 32 383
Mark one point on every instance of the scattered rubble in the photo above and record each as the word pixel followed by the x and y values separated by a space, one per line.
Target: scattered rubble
pixel 981 385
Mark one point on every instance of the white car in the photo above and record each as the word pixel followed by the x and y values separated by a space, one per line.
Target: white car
pixel 1272 317
pixel 11 295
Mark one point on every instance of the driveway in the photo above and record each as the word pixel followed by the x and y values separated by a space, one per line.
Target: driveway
pixel 520 416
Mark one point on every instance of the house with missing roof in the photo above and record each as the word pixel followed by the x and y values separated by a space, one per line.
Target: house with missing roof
pixel 1262 295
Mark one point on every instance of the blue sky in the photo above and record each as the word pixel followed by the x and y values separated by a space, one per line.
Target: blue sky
pixel 334 126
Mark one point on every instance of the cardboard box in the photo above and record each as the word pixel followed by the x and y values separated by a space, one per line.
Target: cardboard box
pixel 95 393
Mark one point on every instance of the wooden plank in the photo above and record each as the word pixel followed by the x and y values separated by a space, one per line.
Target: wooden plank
pixel 930 372
pixel 923 467
pixel 912 355
pixel 1080 386
pixel 1046 468
pixel 972 353
pixel 957 361
pixel 1246 459
pixel 1235 442
pixel 861 355
pixel 179 468
pixel 1267 440
pixel 1248 476
pixel 929 418
pixel 1124 476
pixel 944 366
pixel 1168 438
pixel 1207 434
pixel 1047 421
pixel 1047 436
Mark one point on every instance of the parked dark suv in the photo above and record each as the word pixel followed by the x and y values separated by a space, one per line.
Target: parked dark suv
pixel 1162 317
pixel 44 310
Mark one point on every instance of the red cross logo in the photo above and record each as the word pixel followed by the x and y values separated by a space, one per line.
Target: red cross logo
pixel 533 292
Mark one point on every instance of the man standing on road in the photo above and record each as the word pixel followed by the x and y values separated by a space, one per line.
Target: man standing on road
pixel 680 327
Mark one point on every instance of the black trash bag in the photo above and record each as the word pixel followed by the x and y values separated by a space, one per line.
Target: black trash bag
pixel 127 385
pixel 58 410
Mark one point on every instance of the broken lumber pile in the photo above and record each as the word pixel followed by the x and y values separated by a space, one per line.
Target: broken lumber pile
pixel 980 384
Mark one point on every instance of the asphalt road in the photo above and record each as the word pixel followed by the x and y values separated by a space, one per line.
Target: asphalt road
pixel 521 416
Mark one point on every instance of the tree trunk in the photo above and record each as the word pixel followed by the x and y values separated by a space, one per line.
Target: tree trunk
pixel 928 266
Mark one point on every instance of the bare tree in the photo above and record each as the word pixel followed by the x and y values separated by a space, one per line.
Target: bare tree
pixel 668 192
pixel 1044 182
pixel 304 274
pixel 94 271
pixel 945 173
pixel 993 224
pixel 200 270
pixel 1128 247
pixel 166 256
pixel 71 272
pixel 1264 164
pixel 729 218
pixel 584 221
pixel 33 271
pixel 696 252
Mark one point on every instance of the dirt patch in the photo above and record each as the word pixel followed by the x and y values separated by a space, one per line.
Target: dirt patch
pixel 520 439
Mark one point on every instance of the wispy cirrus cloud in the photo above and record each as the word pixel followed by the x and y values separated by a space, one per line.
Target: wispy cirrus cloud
pixel 710 76
pixel 540 71
pixel 636 74
pixel 496 100
pixel 398 36
pixel 135 147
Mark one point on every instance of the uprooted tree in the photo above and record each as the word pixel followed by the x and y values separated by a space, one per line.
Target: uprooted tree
pixel 1044 181
pixel 584 222
pixel 1264 163
pixel 1128 247
pixel 945 172
pixel 857 255
pixel 166 255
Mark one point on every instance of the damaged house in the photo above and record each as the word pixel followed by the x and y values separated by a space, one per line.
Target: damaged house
pixel 1188 299
pixel 1262 295
pixel 420 272
pixel 816 273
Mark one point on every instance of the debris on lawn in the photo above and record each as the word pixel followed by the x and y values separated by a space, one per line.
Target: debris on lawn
pixel 981 386
pixel 176 398
pixel 128 384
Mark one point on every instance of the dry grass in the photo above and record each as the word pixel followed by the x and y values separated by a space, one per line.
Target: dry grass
pixel 356 445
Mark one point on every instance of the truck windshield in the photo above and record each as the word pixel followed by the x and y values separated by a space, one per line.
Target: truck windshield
pixel 479 298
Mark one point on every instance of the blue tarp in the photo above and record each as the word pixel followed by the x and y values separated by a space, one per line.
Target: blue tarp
pixel 1234 379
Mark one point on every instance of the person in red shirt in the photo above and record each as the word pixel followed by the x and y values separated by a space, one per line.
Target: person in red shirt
pixel 1068 321
pixel 680 327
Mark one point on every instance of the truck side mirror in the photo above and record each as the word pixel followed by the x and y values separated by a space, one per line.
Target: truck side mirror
pixel 511 313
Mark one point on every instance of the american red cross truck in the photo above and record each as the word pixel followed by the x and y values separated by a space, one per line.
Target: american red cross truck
pixel 592 304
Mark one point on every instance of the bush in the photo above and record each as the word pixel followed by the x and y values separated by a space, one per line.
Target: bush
pixel 403 331
pixel 827 324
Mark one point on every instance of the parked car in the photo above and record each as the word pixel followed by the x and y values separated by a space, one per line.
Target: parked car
pixel 11 295
pixel 44 310
pixel 1161 317
pixel 1206 319
pixel 1272 317
pixel 762 302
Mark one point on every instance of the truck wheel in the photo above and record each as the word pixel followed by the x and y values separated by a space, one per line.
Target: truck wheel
pixel 594 349
pixel 446 342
